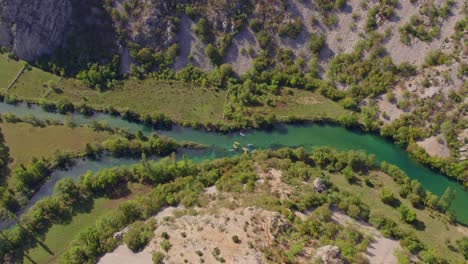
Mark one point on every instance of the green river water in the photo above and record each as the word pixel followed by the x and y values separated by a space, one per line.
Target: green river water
pixel 283 135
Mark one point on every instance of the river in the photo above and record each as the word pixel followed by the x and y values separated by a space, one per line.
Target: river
pixel 282 135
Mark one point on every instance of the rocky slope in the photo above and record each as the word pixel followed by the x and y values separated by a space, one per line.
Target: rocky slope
pixel 33 28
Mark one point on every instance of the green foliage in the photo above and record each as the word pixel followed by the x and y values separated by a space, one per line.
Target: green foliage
pixel 236 239
pixel 100 77
pixel 138 236
pixel 203 29
pixel 462 245
pixel 157 257
pixel 387 197
pixel 316 42
pixel 437 57
pixel 384 9
pixel 292 29
pixel 368 76
pixel 213 54
pixel 255 25
pixel 419 28
pixel 406 214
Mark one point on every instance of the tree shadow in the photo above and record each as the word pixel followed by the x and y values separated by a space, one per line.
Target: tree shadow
pixel 419 225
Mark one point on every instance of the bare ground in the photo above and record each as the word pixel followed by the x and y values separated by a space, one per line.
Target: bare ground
pixel 195 237
pixel 381 250
pixel 434 147
pixel 190 44
pixel 417 51
pixel 242 61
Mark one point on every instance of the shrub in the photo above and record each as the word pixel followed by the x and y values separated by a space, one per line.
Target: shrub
pixel 213 54
pixel 255 25
pixel 236 239
pixel 157 257
pixel 462 245
pixel 316 42
pixel 202 29
pixel 165 245
pixel 138 236
pixel 387 196
pixel 406 214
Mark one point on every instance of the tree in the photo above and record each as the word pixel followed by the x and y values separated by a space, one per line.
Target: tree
pixel 406 214
pixel 446 199
pixel 387 196
pixel 316 42
pixel 213 54
pixel 138 236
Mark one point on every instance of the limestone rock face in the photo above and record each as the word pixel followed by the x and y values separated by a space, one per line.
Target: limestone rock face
pixel 329 255
pixel 32 28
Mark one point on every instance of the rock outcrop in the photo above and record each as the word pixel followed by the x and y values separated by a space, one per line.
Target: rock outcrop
pixel 329 255
pixel 32 28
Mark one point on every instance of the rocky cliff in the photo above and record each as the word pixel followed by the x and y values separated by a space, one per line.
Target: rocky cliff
pixel 32 28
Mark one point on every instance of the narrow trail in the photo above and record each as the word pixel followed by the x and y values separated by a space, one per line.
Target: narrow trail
pixel 16 78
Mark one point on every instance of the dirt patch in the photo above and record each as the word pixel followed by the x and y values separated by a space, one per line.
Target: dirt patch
pixel 390 109
pixel 190 45
pixel 435 146
pixel 237 54
pixel 417 51
pixel 123 255
pixel 381 249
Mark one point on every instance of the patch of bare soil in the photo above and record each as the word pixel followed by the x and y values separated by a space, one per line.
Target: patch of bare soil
pixel 190 44
pixel 417 51
pixel 463 137
pixel 435 146
pixel 381 249
pixel 390 109
pixel 123 255
pixel 273 179
pixel 125 60
pixel 339 38
pixel 237 54
pixel 442 78
pixel 196 237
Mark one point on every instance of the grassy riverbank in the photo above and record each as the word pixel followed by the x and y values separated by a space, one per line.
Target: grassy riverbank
pixel 8 70
pixel 58 237
pixel 26 141
pixel 182 102
pixel 434 229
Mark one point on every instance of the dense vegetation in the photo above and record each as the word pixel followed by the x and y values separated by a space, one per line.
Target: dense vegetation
pixel 181 182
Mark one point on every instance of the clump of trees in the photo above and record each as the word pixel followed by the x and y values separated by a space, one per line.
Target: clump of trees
pixel 101 77
pixel 138 236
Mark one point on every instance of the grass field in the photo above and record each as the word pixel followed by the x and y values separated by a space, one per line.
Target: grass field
pixel 58 237
pixel 8 70
pixel 303 105
pixel 32 84
pixel 26 141
pixel 435 232
pixel 181 101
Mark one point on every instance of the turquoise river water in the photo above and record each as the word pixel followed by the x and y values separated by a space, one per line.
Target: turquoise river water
pixel 282 135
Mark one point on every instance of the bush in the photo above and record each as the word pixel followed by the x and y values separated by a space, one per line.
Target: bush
pixel 236 239
pixel 138 236
pixel 406 214
pixel 99 77
pixel 316 42
pixel 462 245
pixel 157 257
pixel 291 29
pixel 387 196
pixel 213 54
pixel 255 25
pixel 202 29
